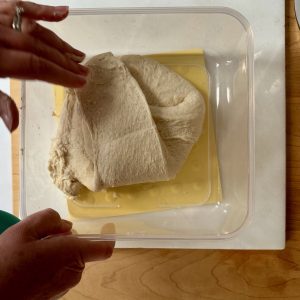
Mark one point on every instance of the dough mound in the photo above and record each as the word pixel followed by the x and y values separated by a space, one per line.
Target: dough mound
pixel 135 121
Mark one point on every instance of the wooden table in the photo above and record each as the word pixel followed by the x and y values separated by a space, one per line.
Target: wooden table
pixel 206 274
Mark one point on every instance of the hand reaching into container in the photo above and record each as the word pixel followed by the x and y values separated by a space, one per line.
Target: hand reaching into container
pixel 34 266
pixel 30 51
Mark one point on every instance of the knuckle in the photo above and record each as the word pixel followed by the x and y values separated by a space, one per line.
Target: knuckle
pixel 68 63
pixel 51 213
pixel 55 40
pixel 36 65
pixel 59 58
pixel 73 274
pixel 61 44
pixel 75 279
pixel 38 46
pixel 76 261
pixel 30 26
pixel 34 26
pixel 68 278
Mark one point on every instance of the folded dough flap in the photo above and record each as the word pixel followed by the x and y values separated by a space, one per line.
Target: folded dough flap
pixel 133 158
pixel 177 107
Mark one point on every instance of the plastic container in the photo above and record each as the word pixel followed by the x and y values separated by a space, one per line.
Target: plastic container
pixel 226 37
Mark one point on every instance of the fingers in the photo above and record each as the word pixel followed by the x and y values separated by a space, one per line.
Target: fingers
pixel 24 65
pixel 45 35
pixel 18 41
pixel 44 223
pixel 98 250
pixel 44 12
pixel 42 41
pixel 9 112
pixel 49 37
pixel 35 11
pixel 95 250
pixel 83 250
pixel 7 12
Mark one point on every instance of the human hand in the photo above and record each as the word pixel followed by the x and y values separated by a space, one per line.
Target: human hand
pixel 33 266
pixel 35 52
pixel 9 112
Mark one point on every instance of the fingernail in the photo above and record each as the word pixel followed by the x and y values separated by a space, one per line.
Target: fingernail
pixel 67 222
pixel 61 11
pixel 75 57
pixel 66 225
pixel 80 53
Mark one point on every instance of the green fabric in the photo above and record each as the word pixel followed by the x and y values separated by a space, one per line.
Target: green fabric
pixel 7 220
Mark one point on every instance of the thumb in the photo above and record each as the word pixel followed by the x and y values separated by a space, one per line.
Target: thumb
pixel 98 250
pixel 9 112
pixel 85 250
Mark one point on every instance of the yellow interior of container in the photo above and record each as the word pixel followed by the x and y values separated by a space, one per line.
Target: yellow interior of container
pixel 197 183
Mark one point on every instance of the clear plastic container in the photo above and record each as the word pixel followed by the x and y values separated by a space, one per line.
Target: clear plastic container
pixel 226 37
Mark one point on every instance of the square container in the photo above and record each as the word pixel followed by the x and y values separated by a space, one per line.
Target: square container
pixel 226 37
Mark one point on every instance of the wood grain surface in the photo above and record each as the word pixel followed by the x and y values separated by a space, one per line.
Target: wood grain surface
pixel 207 274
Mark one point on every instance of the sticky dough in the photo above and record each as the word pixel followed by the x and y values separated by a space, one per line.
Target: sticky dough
pixel 135 121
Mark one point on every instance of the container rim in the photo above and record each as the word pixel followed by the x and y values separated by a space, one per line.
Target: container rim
pixel 251 121
pixel 163 10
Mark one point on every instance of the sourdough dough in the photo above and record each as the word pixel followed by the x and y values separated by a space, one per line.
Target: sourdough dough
pixel 135 121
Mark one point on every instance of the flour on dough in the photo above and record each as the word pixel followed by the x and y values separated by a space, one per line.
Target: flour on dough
pixel 135 121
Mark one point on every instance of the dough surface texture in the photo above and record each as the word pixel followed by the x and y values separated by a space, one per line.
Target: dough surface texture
pixel 135 121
